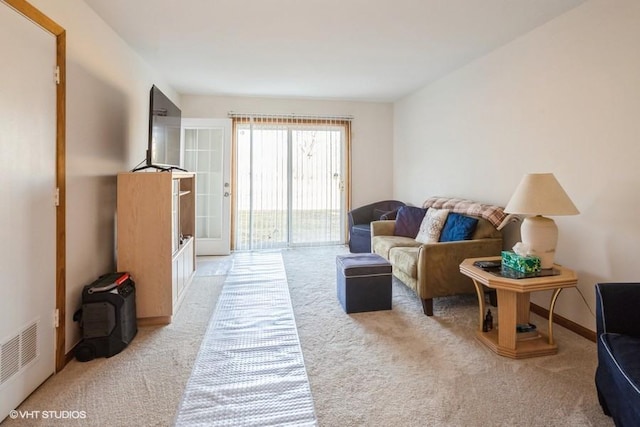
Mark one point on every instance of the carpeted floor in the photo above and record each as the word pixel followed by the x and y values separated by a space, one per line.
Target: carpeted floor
pixel 388 368
pixel 141 386
pixel 401 368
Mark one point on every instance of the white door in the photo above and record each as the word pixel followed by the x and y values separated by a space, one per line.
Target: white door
pixel 27 212
pixel 207 151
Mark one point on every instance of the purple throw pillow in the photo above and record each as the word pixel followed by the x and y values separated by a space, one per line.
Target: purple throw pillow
pixel 408 221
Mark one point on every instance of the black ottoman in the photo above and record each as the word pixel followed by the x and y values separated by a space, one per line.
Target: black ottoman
pixel 364 282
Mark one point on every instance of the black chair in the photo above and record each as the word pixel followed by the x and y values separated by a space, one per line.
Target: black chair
pixel 618 334
pixel 360 222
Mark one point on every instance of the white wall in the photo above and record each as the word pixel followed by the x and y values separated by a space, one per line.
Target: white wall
pixel 372 133
pixel 564 98
pixel 107 126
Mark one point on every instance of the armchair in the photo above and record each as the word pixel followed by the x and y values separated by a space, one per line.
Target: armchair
pixel 360 223
pixel 618 339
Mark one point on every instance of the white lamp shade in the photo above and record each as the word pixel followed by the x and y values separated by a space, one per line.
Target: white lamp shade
pixel 540 194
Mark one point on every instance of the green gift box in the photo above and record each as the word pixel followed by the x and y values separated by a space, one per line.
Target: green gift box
pixel 523 264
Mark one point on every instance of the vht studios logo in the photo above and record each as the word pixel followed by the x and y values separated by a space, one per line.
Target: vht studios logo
pixel 48 415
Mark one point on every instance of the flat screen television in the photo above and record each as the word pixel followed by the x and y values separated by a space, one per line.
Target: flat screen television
pixel 163 150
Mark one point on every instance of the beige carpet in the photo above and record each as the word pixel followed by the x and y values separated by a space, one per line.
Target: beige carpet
pixel 401 368
pixel 141 386
pixel 393 368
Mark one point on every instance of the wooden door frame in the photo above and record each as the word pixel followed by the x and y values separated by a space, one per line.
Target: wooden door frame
pixel 47 24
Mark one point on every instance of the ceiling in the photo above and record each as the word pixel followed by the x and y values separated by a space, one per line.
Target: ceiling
pixel 370 50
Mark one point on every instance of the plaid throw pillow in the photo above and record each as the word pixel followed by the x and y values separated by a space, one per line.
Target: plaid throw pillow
pixel 494 214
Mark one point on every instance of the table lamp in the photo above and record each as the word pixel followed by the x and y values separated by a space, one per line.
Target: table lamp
pixel 540 194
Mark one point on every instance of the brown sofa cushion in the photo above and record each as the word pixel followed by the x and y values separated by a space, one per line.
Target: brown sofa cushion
pixel 485 230
pixel 383 244
pixel 405 259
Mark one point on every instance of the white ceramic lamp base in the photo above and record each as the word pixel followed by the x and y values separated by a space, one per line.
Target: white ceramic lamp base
pixel 541 235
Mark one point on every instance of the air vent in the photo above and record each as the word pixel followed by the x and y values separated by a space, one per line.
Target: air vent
pixel 18 351
pixel 9 358
pixel 29 344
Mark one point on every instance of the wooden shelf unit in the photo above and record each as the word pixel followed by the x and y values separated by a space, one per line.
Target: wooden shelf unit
pixel 155 239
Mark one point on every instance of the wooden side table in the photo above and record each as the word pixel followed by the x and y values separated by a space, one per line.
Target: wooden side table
pixel 513 308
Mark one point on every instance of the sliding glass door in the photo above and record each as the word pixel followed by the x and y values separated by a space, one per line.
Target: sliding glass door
pixel 316 185
pixel 290 183
pixel 262 213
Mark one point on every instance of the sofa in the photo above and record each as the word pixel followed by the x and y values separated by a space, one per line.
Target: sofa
pixel 360 222
pixel 618 340
pixel 431 266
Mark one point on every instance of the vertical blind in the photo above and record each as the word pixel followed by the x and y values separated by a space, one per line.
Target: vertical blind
pixel 292 180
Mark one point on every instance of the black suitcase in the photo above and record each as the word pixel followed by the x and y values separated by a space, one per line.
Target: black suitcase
pixel 107 316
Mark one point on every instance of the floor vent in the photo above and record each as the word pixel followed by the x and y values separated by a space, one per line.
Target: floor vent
pixel 18 351
pixel 9 358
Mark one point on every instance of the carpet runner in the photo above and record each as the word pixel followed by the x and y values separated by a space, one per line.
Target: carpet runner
pixel 249 370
